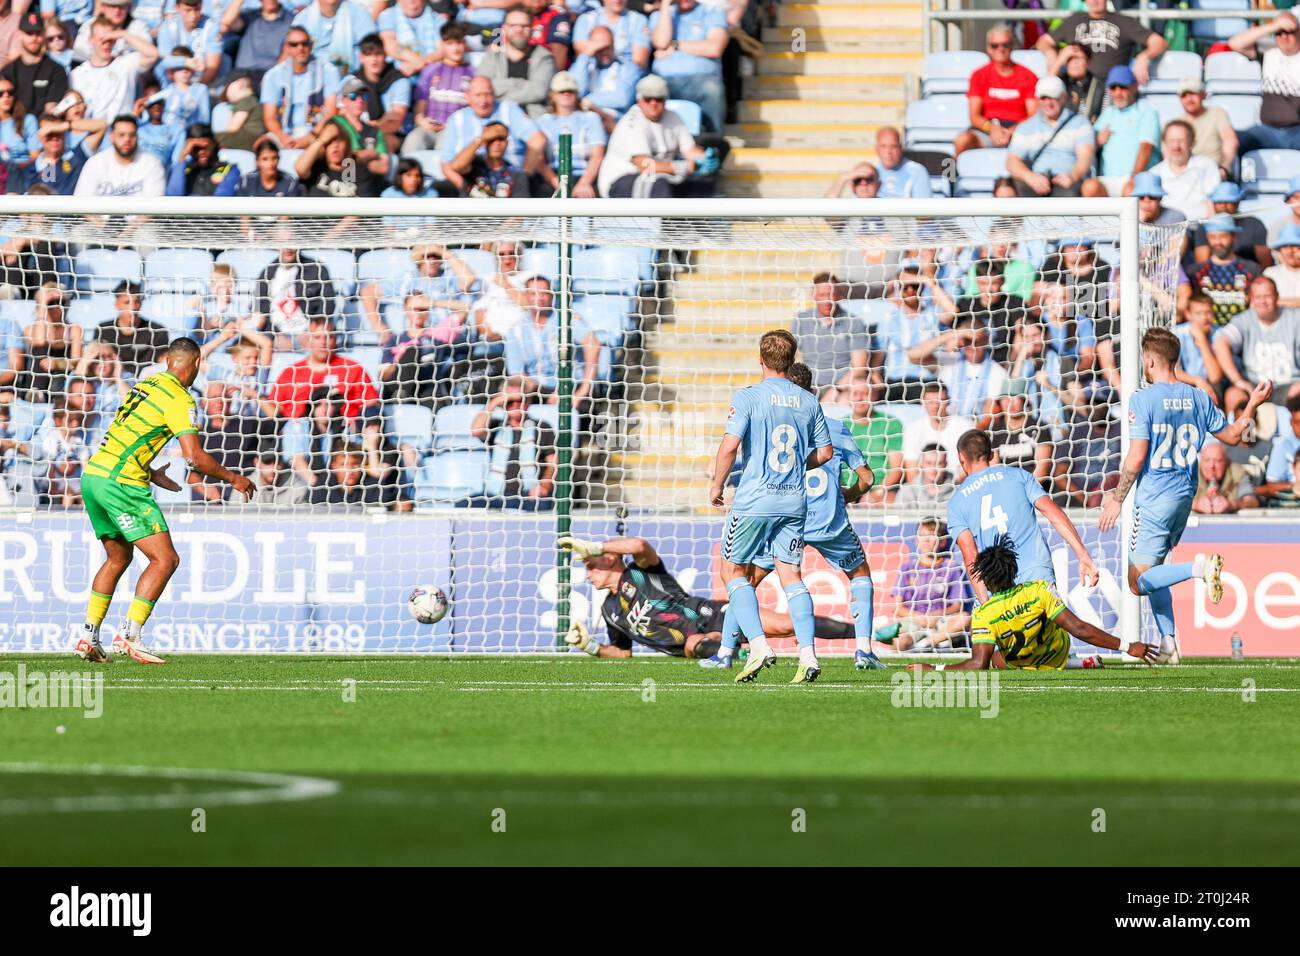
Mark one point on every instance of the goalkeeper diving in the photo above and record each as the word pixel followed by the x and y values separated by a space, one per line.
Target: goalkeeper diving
pixel 645 605
pixel 1026 626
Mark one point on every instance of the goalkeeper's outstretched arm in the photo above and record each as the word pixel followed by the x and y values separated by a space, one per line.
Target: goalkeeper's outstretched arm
pixel 639 549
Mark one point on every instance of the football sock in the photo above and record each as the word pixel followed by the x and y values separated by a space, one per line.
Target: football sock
pixel 730 632
pixel 801 613
pixel 1162 609
pixel 1167 575
pixel 807 656
pixel 137 615
pixel 744 604
pixel 863 608
pixel 97 610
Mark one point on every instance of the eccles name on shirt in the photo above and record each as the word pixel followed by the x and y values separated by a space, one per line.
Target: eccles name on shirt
pixel 1177 404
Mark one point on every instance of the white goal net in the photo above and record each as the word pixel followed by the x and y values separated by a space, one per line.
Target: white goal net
pixel 393 378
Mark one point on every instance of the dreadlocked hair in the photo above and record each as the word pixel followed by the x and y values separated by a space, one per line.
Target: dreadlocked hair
pixel 996 565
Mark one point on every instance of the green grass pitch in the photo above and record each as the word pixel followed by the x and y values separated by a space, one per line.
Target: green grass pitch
pixel 576 761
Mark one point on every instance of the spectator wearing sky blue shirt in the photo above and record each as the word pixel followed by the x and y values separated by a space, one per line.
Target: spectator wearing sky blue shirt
pixel 1051 152
pixel 19 143
pixel 186 101
pixel 467 123
pixel 1286 443
pixel 12 346
pixel 338 26
pixel 606 83
pixel 689 39
pixel 262 36
pixel 411 32
pixel 196 32
pixel 589 137
pixel 299 94
pixel 628 35
pixel 909 322
pixel 531 345
pixel 69 11
pixel 1128 135
pixel 156 136
pixel 1197 363
pixel 899 178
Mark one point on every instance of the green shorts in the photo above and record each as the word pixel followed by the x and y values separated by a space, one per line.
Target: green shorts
pixel 120 511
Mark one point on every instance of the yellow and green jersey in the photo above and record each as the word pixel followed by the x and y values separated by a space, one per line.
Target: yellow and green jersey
pixel 1022 623
pixel 155 411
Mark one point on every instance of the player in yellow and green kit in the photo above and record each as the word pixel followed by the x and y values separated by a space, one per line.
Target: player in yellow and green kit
pixel 1027 626
pixel 115 488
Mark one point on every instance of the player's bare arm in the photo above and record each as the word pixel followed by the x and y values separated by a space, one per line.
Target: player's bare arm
pixel 866 480
pixel 1059 520
pixel 638 549
pixel 1128 476
pixel 969 552
pixel 1095 636
pixel 722 465
pixel 1235 433
pixel 200 461
pixel 982 658
pixel 819 456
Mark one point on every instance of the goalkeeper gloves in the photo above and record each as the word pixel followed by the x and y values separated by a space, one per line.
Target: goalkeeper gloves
pixel 583 549
pixel 580 639
pixel 709 163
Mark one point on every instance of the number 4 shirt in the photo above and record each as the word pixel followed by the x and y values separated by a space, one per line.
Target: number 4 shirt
pixel 1000 500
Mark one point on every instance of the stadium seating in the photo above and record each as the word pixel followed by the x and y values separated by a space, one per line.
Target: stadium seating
pixel 1033 60
pixel 101 270
pixel 978 169
pixel 177 270
pixel 1168 105
pixel 609 316
pixel 451 427
pixel 1171 69
pixel 1220 28
pixel 247 263
pixel 22 312
pixel 949 72
pixel 342 266
pixel 411 425
pixel 383 266
pixel 617 270
pixel 430 161
pixel 480 261
pixel 933 123
pixel 245 160
pixel 1242 110
pixel 368 357
pixel 91 311
pixel 544 260
pixel 690 114
pixel 1268 170
pixel 451 475
pixel 1232 73
pixel 171 310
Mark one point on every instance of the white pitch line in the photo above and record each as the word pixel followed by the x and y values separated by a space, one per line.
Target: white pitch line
pixel 267 788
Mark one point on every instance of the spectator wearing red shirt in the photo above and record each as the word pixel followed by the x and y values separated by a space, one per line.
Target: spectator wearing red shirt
pixel 553 29
pixel 1001 95
pixel 292 390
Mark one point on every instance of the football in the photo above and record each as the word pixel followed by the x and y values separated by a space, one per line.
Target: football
pixel 428 604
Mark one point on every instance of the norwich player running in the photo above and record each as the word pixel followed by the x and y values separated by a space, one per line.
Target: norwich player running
pixel 1168 423
pixel 995 500
pixel 115 488
pixel 1026 626
pixel 828 530
pixel 783 433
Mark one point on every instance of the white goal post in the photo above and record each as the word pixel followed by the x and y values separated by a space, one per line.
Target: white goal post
pixel 657 306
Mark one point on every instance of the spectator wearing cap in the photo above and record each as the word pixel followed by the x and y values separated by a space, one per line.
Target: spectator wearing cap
pixel 1150 193
pixel 525 148
pixel 606 81
pixel 1215 138
pixel 652 153
pixel 689 38
pixel 1051 152
pixel 37 78
pixel 586 128
pixel 56 165
pixel 198 171
pixel 1251 242
pixel 1292 200
pixel 1128 135
pixel 1188 179
pixel 187 102
pixel 261 36
pixel 1224 276
pixel 300 93
pixel 337 27
pixel 1111 39
pixel 410 30
pixel 388 90
pixel 440 91
pixel 199 34
pixel 1001 95
pixel 1261 344
pixel 900 178
pixel 246 125
pixel 1286 274
pixel 520 72
pixel 106 81
pixel 1279 87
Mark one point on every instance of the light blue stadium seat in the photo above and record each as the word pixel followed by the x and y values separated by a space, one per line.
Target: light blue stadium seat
pixel 1172 67
pixel 544 260
pixel 21 312
pixel 412 425
pixel 450 475
pixel 1268 170
pixel 934 122
pixel 451 427
pixel 288 157
pixel 25 418
pixel 247 263
pixel 690 113
pixel 1220 28
pixel 1242 110
pixel 1168 105
pixel 617 270
pixel 281 361
pixel 978 169
pixel 100 270
pixel 870 311
pixel 178 270
pixel 548 415
pixel 342 268
pixel 90 312
pixel 609 316
pixel 171 310
pixel 384 266
pixel 245 160
pixel 369 357
pixel 430 161
pixel 1033 60
pixel 1232 73
pixel 481 262
pixel 949 72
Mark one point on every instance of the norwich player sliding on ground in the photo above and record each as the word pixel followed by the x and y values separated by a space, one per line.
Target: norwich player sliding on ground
pixel 1026 626
pixel 123 514
pixel 646 605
